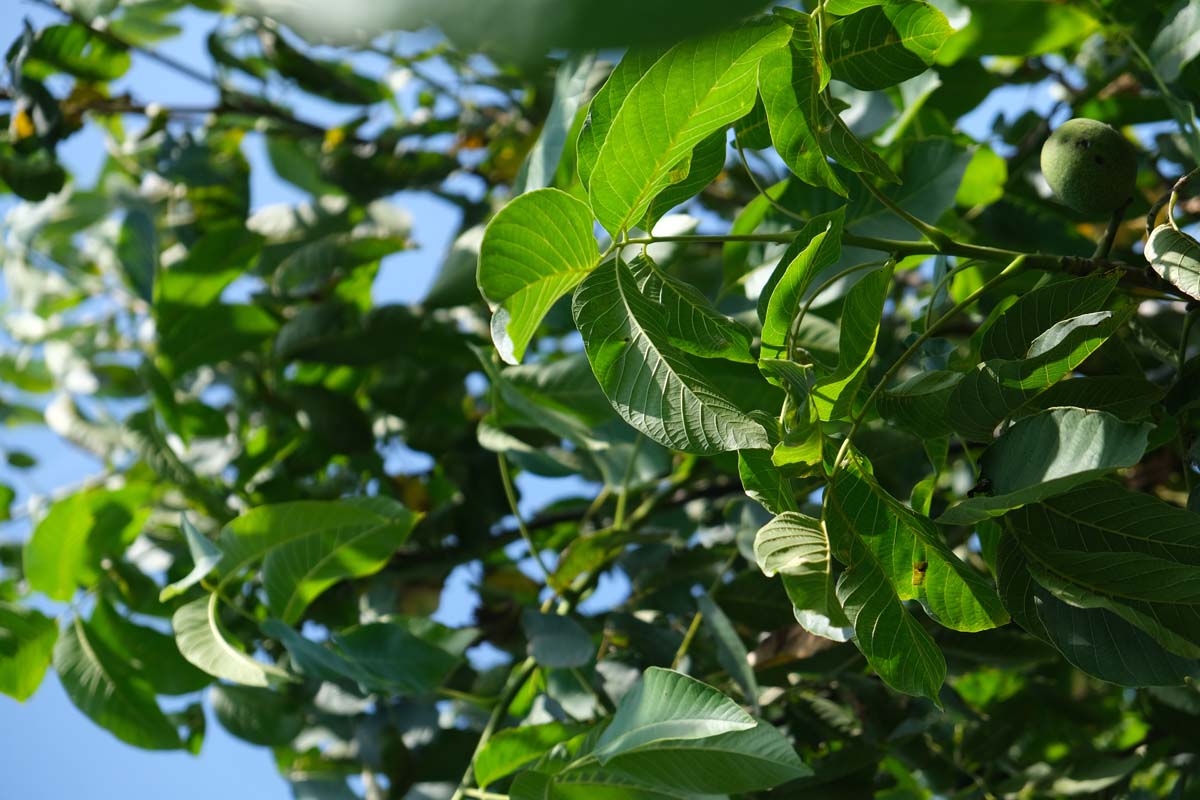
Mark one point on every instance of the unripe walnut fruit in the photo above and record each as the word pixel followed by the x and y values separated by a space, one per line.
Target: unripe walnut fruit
pixel 1090 166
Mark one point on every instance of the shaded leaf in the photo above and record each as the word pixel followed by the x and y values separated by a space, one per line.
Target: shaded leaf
pixel 658 389
pixel 1047 454
pixel 556 641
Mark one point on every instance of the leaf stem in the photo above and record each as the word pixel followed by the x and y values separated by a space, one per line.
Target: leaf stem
pixel 787 212
pixel 1105 245
pixel 698 617
pixel 623 494
pixel 515 681
pixel 935 235
pixel 511 493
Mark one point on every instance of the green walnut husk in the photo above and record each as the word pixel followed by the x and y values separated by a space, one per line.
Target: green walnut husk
pixel 1090 166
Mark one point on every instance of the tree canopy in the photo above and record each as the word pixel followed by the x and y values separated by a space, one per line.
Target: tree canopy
pixel 880 459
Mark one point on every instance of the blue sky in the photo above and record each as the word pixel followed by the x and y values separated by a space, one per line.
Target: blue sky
pixel 50 750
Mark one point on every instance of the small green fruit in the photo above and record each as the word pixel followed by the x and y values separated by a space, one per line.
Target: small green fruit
pixel 1090 166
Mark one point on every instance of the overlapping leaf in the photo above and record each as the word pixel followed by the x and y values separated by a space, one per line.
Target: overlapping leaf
pixel 816 246
pixel 833 396
pixel 694 89
pixel 203 641
pixel 881 46
pixel 673 730
pixel 1047 454
pixel 538 248
pixel 27 640
pixel 1100 546
pixel 655 387
pixel 997 388
pixel 911 552
pixel 1095 640
pixel 104 688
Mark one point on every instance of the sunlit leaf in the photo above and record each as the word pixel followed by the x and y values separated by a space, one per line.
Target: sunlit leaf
pixel 101 685
pixel 27 640
pixel 1175 256
pixel 533 252
pixel 667 113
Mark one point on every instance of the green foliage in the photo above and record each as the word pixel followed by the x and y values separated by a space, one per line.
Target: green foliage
pixel 893 457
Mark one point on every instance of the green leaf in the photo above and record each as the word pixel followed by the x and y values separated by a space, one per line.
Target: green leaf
pixel 1175 256
pixel 206 556
pixel 1177 42
pixel 984 180
pixel 258 716
pixel 790 81
pixel 911 552
pixel 1048 454
pixel 100 685
pixel 332 80
pixel 692 324
pixel 534 251
pixel 589 783
pixel 67 546
pixel 26 643
pixel 764 482
pixel 396 660
pixel 202 640
pixel 572 85
pixel 696 88
pixel 919 404
pixel 809 78
pixel 603 109
pixel 150 654
pixel 731 652
pixel 894 643
pixel 511 749
pixel 321 544
pixel 817 246
pixel 312 659
pixel 556 641
pixel 316 266
pixel 1015 330
pixel 1100 546
pixel 698 170
pixel 137 252
pixel 34 178
pixel 77 51
pixel 879 47
pixel 668 706
pixel 1017 28
pixel 261 531
pixel 1124 396
pixel 1095 640
pixel 211 334
pixel 833 396
pixel 676 731
pixel 997 388
pixel 796 547
pixel 655 387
